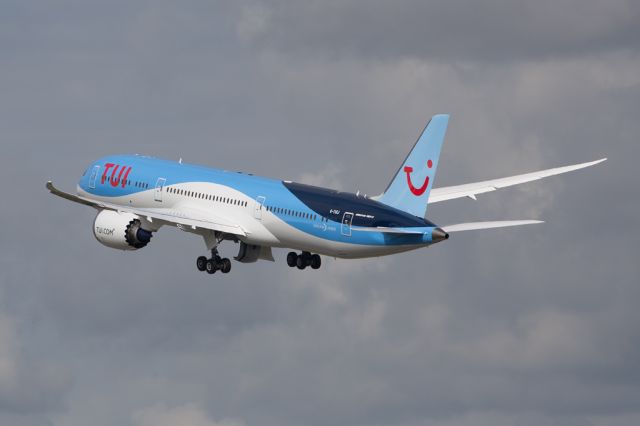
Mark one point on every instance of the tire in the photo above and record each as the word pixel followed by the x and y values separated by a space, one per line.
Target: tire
pixel 300 263
pixel 201 263
pixel 211 266
pixel 292 258
pixel 226 266
pixel 316 262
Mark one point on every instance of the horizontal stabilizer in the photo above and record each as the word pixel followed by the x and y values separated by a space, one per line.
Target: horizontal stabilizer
pixel 472 226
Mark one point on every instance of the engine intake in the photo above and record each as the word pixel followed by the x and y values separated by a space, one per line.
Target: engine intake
pixel 122 231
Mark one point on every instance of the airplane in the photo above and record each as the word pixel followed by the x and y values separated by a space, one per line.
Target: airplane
pixel 136 195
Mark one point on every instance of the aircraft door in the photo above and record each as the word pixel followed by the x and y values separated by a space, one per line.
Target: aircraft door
pixel 345 229
pixel 159 187
pixel 257 213
pixel 93 177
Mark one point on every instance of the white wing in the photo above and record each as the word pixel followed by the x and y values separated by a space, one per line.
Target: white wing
pixel 471 226
pixel 188 216
pixel 472 189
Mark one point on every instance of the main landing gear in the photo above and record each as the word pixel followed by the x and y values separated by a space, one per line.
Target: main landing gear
pixel 303 260
pixel 216 263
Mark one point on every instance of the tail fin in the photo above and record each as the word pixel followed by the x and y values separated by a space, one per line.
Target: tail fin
pixel 410 187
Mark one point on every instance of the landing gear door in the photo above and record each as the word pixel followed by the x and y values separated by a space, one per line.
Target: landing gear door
pixel 159 187
pixel 257 213
pixel 345 229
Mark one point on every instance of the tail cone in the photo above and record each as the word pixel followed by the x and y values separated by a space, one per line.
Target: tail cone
pixel 438 235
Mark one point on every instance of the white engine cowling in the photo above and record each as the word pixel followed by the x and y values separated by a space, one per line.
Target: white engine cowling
pixel 121 231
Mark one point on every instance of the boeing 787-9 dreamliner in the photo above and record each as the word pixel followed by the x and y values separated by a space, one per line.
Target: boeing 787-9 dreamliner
pixel 136 195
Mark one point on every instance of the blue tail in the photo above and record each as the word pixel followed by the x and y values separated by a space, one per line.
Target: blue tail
pixel 410 187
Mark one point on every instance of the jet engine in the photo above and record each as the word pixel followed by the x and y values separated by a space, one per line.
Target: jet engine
pixel 122 231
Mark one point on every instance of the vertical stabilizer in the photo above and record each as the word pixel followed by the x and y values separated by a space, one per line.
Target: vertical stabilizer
pixel 410 187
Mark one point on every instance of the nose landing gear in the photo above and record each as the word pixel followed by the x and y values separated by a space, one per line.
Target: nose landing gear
pixel 303 260
pixel 215 263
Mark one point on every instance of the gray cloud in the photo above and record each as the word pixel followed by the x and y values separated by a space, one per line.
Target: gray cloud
pixel 461 30
pixel 516 327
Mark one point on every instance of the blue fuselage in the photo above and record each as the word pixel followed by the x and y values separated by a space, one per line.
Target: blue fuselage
pixel 275 213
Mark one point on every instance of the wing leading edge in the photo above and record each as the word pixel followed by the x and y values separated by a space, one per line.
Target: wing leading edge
pixel 472 189
pixel 186 216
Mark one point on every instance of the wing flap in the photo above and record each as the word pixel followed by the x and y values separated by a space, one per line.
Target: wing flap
pixel 472 189
pixel 186 216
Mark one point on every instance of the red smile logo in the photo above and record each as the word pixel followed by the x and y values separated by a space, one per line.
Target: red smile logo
pixel 417 191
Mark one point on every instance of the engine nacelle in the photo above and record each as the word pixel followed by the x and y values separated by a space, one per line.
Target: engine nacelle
pixel 122 231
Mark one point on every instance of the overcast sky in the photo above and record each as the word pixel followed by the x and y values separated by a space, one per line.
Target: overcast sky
pixel 537 326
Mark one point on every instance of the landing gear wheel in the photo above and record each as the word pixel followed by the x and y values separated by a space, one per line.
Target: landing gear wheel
pixel 300 262
pixel 201 263
pixel 226 265
pixel 292 258
pixel 211 266
pixel 315 261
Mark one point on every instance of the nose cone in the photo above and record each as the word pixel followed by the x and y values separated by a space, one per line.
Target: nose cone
pixel 438 235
